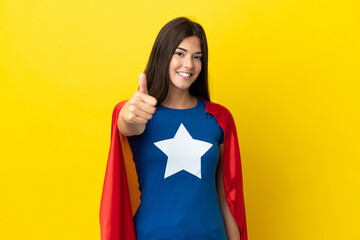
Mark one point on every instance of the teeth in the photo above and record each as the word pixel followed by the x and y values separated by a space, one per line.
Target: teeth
pixel 184 74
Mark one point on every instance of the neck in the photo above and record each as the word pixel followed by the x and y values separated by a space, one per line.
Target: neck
pixel 179 100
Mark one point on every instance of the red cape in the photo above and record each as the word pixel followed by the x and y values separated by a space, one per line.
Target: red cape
pixel 120 196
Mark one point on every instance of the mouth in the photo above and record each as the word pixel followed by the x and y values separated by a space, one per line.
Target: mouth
pixel 184 74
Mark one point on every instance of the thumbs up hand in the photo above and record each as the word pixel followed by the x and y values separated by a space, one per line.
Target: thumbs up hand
pixel 137 110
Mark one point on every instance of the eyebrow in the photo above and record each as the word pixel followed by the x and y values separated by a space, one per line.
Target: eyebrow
pixel 187 50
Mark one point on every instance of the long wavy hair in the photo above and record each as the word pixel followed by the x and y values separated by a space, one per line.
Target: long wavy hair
pixel 157 69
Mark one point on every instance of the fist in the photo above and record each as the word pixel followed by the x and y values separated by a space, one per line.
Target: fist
pixel 141 106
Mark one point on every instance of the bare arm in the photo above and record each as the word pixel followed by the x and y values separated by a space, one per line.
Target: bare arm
pixel 137 111
pixel 231 227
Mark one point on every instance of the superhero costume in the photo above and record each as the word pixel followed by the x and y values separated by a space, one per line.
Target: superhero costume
pixel 120 197
pixel 176 160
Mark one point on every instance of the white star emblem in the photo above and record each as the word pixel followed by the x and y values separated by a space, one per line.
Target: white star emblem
pixel 184 153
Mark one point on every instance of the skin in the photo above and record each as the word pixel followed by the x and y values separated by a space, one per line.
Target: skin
pixel 231 227
pixel 186 59
pixel 137 110
pixel 141 107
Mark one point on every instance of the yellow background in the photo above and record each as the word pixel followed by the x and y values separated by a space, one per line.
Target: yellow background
pixel 287 69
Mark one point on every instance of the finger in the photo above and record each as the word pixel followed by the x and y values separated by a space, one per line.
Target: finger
pixel 137 105
pixel 133 118
pixel 148 99
pixel 147 108
pixel 143 83
pixel 144 115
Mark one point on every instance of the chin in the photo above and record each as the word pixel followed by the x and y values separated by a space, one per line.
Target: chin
pixel 180 84
pixel 182 87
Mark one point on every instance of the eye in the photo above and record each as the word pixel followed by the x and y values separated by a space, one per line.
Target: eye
pixel 179 54
pixel 198 58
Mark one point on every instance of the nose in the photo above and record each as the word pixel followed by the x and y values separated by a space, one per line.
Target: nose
pixel 188 62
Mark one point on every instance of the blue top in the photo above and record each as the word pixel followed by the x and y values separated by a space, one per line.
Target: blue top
pixel 176 158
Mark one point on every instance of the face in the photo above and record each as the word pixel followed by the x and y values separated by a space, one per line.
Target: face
pixel 185 65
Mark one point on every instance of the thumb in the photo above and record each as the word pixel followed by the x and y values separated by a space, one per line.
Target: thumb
pixel 143 83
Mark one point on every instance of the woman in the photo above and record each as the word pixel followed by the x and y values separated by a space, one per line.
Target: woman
pixel 184 147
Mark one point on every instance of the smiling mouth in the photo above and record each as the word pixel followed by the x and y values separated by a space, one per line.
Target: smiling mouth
pixel 184 74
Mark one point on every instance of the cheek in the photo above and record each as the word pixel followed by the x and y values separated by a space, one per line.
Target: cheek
pixel 173 64
pixel 199 67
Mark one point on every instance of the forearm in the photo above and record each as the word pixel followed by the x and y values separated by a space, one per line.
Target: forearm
pixel 231 227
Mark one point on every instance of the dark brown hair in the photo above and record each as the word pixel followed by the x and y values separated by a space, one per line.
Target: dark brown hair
pixel 157 69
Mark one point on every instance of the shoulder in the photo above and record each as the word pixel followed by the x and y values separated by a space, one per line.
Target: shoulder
pixel 217 108
pixel 221 114
pixel 119 105
pixel 117 109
